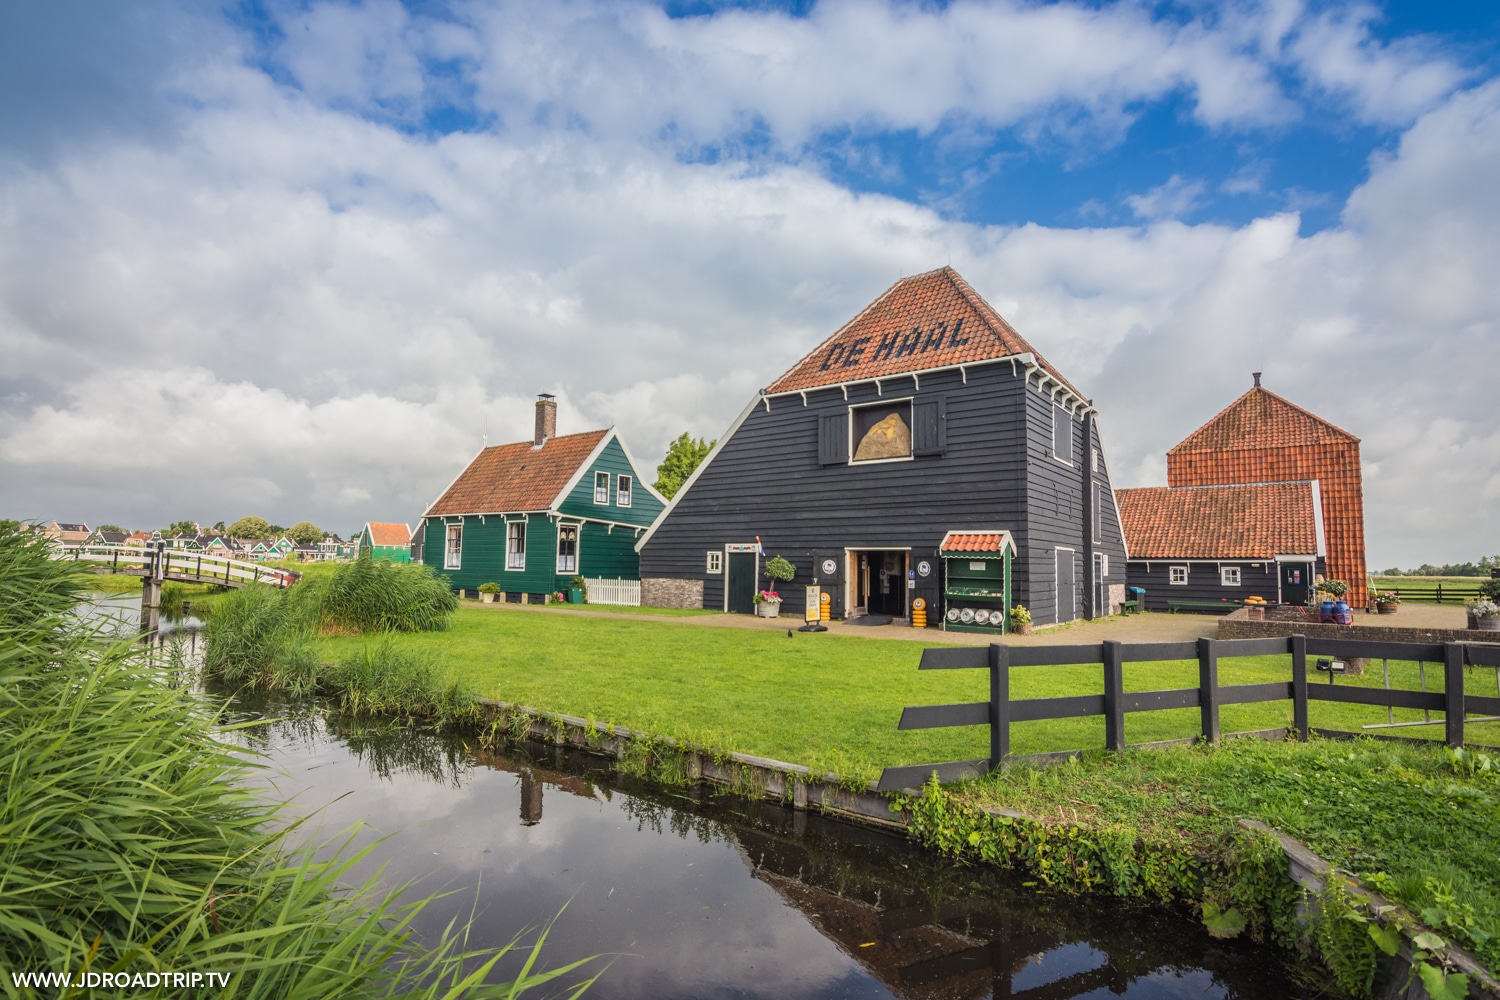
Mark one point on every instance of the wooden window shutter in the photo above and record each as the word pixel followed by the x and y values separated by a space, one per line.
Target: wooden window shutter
pixel 930 427
pixel 833 439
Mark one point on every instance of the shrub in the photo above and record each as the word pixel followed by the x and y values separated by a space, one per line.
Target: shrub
pixel 370 596
pixel 489 588
pixel 777 568
pixel 1019 615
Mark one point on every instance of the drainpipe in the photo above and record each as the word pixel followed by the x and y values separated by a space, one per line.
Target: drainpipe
pixel 1090 585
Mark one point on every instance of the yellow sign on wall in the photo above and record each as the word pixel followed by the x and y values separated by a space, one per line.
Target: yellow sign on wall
pixel 814 609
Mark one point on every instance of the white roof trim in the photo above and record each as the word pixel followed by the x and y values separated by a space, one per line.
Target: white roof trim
pixel 707 461
pixel 557 501
pixel 1007 541
pixel 636 468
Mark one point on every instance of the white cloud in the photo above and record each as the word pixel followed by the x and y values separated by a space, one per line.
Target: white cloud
pixel 1172 200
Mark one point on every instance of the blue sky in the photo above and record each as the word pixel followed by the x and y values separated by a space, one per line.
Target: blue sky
pixel 328 243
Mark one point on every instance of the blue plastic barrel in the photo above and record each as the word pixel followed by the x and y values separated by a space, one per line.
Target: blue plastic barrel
pixel 1341 613
pixel 1325 612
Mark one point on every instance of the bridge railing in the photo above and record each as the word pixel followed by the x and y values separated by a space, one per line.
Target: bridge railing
pixel 178 564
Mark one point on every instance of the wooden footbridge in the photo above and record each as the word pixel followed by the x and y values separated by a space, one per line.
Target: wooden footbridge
pixel 157 563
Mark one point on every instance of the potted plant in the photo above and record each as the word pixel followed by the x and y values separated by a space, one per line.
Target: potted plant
pixel 1020 620
pixel 577 591
pixel 779 570
pixel 1484 614
pixel 767 604
pixel 488 592
pixel 1336 589
pixel 1387 603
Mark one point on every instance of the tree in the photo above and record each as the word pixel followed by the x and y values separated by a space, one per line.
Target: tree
pixel 305 533
pixel 219 527
pixel 253 528
pixel 182 528
pixel 110 527
pixel 683 456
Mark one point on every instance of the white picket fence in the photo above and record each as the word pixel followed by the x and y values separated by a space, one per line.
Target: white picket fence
pixel 626 592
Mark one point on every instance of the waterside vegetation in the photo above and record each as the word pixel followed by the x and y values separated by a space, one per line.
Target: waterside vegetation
pixel 134 844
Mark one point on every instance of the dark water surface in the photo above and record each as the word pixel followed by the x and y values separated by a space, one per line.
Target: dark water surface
pixel 698 894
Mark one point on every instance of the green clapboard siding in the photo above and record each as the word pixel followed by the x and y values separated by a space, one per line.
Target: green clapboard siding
pixel 580 500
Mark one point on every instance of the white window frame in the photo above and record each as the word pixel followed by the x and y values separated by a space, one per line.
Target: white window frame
pixel 715 562
pixel 605 494
pixel 910 419
pixel 623 486
pixel 1172 572
pixel 453 554
pixel 1059 409
pixel 1230 576
pixel 510 555
pixel 577 537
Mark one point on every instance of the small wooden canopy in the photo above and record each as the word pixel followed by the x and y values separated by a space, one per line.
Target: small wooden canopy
pixel 977 542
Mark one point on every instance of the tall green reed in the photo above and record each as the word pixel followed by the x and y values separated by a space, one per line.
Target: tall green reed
pixel 131 842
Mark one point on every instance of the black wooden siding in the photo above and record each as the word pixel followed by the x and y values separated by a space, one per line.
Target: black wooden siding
pixel 782 476
pixel 1203 582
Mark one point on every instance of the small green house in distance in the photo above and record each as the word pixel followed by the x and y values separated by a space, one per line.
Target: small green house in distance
pixel 384 540
pixel 532 515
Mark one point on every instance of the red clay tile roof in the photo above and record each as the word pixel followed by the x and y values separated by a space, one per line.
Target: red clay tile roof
pixel 1261 419
pixel 1255 521
pixel 977 541
pixel 509 478
pixel 396 535
pixel 931 320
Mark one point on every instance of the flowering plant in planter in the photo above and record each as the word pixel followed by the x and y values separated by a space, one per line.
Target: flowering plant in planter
pixel 1334 588
pixel 1389 597
pixel 767 597
pixel 1484 608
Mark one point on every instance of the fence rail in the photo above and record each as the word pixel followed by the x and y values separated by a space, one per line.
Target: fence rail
pixel 626 592
pixel 1435 593
pixel 186 566
pixel 1001 711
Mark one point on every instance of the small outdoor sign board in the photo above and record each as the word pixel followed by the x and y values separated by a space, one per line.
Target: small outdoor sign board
pixel 814 611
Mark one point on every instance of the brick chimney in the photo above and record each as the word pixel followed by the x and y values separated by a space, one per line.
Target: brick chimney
pixel 546 419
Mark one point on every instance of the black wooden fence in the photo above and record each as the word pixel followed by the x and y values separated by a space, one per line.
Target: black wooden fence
pixel 1001 710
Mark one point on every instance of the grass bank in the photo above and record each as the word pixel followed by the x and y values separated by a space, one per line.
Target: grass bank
pixel 826 701
pixel 130 841
pixel 1416 823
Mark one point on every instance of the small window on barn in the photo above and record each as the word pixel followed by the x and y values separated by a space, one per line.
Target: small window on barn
pixel 515 545
pixel 715 562
pixel 1229 576
pixel 601 488
pixel 567 548
pixel 882 432
pixel 622 491
pixel 1062 434
pixel 1177 575
pixel 453 554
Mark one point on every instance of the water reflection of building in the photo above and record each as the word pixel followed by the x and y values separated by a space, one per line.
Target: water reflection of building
pixel 531 798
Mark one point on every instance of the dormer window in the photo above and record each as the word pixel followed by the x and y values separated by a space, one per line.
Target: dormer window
pixel 622 491
pixel 601 489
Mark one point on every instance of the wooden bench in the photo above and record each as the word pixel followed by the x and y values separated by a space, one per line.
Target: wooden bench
pixel 1126 607
pixel 1224 606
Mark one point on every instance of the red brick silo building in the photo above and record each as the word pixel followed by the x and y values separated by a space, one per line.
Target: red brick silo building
pixel 1262 438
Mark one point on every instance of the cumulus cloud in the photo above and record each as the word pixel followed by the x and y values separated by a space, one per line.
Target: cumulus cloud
pixel 1172 200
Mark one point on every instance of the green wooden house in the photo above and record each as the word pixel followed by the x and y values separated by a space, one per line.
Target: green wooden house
pixel 385 540
pixel 532 515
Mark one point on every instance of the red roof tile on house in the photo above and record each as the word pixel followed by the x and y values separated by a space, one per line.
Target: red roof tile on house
pixel 977 541
pixel 510 478
pixel 1254 521
pixel 931 320
pixel 1261 419
pixel 394 535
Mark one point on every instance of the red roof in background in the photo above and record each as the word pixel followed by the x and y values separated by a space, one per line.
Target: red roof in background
pixel 509 478
pixel 931 320
pixel 976 541
pixel 394 535
pixel 1261 419
pixel 1254 521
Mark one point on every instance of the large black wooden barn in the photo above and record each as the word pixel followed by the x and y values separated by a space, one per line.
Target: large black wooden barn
pixel 924 414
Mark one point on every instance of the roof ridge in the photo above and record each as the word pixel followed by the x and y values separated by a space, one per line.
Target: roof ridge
pixel 1180 446
pixel 555 437
pixel 813 354
pixel 1001 327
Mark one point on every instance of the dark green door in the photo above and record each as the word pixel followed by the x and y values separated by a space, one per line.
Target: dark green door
pixel 741 583
pixel 1295 578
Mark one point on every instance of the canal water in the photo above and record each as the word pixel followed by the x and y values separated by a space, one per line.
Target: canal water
pixel 695 893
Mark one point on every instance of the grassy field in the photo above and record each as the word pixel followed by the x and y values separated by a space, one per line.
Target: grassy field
pixel 826 701
pixel 622 609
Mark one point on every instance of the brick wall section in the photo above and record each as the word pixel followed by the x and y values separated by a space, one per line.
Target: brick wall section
pixel 1262 438
pixel 1237 626
pixel 665 592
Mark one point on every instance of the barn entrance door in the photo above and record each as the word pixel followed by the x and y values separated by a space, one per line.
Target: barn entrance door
pixel 880 583
pixel 1067 586
pixel 1295 580
pixel 740 583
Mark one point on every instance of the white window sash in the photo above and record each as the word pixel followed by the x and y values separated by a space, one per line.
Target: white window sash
pixel 623 486
pixel 601 494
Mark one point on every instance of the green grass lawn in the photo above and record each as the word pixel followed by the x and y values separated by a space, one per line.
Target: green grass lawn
pixel 617 609
pixel 830 702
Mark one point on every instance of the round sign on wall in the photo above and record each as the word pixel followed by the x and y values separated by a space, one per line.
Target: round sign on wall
pixel 924 568
pixel 830 567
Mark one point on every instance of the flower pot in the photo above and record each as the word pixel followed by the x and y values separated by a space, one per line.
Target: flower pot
pixel 768 609
pixel 1470 622
pixel 1387 609
pixel 487 598
pixel 1489 624
pixel 1021 628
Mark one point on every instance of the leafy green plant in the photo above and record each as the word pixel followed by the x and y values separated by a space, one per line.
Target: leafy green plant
pixel 1020 616
pixel 777 568
pixel 376 596
pixel 489 588
pixel 1334 588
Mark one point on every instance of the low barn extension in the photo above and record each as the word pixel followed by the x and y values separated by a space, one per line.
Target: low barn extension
pixel 532 515
pixel 926 413
pixel 1197 547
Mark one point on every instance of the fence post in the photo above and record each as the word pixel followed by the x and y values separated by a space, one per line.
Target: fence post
pixel 1299 686
pixel 1453 692
pixel 1114 696
pixel 999 704
pixel 1208 688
